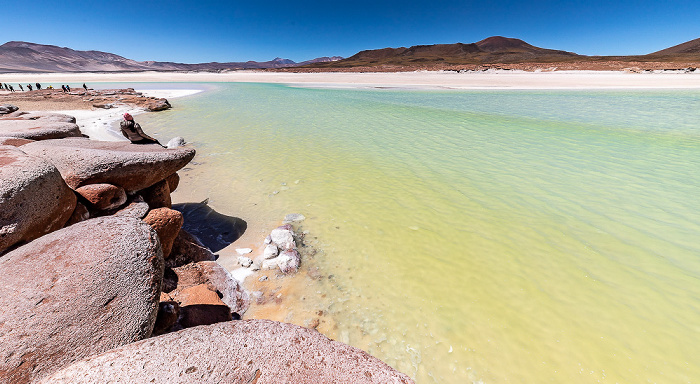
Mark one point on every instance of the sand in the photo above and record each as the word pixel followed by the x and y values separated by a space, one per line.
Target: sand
pixel 492 79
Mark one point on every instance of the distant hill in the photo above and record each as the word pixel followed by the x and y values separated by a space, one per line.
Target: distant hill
pixel 19 56
pixel 689 48
pixel 496 49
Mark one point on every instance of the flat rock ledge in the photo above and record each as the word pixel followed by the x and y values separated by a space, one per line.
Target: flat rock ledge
pixel 132 167
pixel 38 126
pixel 77 292
pixel 97 98
pixel 244 351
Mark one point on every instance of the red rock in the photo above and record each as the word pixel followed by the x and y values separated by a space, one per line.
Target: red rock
pixel 157 195
pixel 217 279
pixel 173 181
pixel 199 305
pixel 34 199
pixel 130 166
pixel 244 351
pixel 103 196
pixel 76 292
pixel 14 141
pixel 167 223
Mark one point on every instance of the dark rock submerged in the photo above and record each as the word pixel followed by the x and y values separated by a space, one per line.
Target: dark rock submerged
pixel 76 292
pixel 245 351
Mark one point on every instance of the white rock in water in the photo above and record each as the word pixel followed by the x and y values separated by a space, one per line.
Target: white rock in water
pixel 283 238
pixel 270 264
pixel 245 261
pixel 289 261
pixel 270 251
pixel 292 217
pixel 176 142
pixel 268 240
pixel 243 251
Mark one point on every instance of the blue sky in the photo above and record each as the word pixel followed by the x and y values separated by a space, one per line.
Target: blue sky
pixel 202 31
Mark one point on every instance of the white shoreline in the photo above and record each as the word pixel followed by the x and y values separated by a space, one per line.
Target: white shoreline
pixel 97 122
pixel 492 79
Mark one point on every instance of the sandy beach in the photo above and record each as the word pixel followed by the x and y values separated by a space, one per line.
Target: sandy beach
pixel 492 79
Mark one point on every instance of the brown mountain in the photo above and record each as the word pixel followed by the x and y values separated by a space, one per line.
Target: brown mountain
pixel 496 49
pixel 689 48
pixel 19 56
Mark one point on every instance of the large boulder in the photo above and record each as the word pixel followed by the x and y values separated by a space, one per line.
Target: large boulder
pixel 130 166
pixel 245 351
pixel 34 199
pixel 76 292
pixel 39 129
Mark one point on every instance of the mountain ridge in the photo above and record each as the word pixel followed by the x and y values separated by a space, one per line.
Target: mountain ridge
pixel 21 56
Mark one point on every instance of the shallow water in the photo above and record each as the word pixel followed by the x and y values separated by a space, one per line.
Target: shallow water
pixel 495 236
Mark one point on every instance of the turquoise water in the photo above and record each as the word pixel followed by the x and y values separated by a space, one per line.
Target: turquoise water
pixel 495 236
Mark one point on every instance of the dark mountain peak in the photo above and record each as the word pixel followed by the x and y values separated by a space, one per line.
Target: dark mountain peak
pixel 691 47
pixel 505 44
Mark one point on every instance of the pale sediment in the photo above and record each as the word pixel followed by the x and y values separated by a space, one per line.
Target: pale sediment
pixel 117 190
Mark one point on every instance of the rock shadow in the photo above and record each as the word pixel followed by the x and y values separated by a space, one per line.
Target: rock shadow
pixel 215 230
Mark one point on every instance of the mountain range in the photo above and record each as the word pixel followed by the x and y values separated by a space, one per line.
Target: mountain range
pixel 504 50
pixel 17 56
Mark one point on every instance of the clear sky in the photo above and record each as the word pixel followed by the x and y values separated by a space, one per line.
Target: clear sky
pixel 208 30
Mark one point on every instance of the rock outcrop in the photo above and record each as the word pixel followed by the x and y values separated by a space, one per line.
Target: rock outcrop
pixel 34 199
pixel 246 351
pixel 77 292
pixel 132 167
pixel 167 224
pixel 37 129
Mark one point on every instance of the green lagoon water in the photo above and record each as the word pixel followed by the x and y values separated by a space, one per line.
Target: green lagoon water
pixel 475 236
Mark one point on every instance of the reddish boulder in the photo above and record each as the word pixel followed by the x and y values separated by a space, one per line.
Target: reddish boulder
pixel 245 351
pixel 34 199
pixel 157 195
pixel 76 292
pixel 217 279
pixel 130 166
pixel 199 305
pixel 167 223
pixel 103 196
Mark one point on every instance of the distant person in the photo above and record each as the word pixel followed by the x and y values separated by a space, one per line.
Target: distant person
pixel 12 89
pixel 68 87
pixel 132 131
pixel 29 86
pixel 63 87
pixel 38 86
pixel 85 86
pixel 21 87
